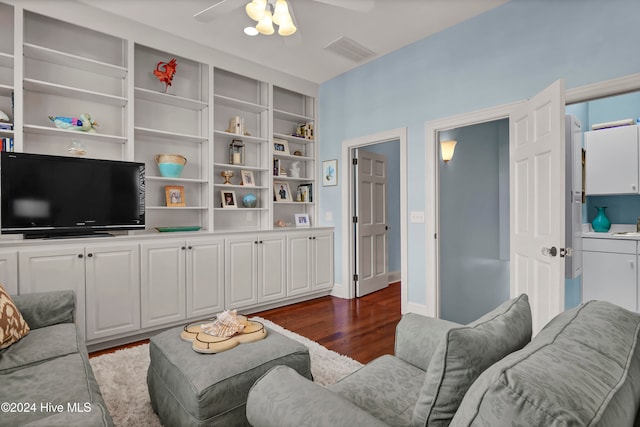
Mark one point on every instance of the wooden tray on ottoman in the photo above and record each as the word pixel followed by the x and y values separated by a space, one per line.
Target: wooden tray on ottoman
pixel 208 344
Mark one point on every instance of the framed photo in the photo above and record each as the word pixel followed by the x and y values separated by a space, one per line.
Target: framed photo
pixel 280 146
pixel 247 179
pixel 281 191
pixel 330 173
pixel 302 220
pixel 228 199
pixel 174 195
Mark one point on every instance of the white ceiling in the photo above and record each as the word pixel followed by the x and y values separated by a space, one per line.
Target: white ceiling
pixel 390 25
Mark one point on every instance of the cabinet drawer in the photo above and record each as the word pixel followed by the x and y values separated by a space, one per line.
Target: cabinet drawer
pixel 609 245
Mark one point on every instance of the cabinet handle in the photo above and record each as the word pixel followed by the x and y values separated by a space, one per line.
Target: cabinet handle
pixel 260 241
pixel 190 247
pixel 183 248
pixel 80 256
pixel 633 187
pixel 632 264
pixel 256 242
pixel 89 255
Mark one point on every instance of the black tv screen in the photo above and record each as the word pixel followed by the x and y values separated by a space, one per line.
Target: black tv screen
pixel 49 196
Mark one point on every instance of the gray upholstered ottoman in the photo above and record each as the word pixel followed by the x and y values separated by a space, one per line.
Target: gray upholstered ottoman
pixel 192 389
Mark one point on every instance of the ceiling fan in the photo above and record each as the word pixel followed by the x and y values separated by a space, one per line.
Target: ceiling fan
pixel 286 28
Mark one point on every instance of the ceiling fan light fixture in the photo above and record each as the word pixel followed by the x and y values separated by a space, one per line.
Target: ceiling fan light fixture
pixel 256 9
pixel 281 12
pixel 287 28
pixel 265 26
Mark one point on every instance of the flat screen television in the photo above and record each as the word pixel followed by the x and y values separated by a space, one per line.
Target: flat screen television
pixel 55 196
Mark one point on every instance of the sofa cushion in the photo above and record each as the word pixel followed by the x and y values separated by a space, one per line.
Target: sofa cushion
pixel 66 381
pixel 583 368
pixel 386 388
pixel 464 353
pixel 12 325
pixel 39 346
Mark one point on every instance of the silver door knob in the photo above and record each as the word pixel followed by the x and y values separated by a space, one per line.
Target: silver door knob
pixel 551 252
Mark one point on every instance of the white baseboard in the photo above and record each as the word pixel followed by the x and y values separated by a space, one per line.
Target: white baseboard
pixel 394 276
pixel 339 291
pixel 412 307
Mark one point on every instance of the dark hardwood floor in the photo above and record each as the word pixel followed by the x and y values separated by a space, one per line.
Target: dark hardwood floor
pixel 362 328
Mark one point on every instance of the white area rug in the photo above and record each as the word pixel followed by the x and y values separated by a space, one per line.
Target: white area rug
pixel 123 377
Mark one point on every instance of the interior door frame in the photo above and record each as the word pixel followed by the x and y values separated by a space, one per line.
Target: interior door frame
pixel 348 244
pixel 618 86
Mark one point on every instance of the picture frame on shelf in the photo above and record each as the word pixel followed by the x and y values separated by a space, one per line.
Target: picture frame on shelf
pixel 228 199
pixel 280 146
pixel 247 178
pixel 174 195
pixel 302 220
pixel 330 173
pixel 281 191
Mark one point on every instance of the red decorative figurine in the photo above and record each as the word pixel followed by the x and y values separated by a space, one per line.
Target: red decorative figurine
pixel 166 75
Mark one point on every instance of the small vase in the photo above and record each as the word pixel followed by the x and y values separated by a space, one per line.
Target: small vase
pixel 601 223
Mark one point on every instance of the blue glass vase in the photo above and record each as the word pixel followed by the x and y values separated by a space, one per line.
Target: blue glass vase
pixel 601 223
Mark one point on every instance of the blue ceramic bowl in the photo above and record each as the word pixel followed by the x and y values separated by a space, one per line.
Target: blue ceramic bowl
pixel 170 165
pixel 249 201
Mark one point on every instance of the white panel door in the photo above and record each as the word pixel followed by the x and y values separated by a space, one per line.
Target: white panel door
pixel 372 247
pixel 299 267
pixel 537 202
pixel 241 280
pixel 272 272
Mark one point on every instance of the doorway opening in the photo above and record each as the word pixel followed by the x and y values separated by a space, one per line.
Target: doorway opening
pixel 393 144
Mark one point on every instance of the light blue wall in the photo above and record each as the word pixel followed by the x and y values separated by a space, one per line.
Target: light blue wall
pixel 505 55
pixel 474 236
pixel 391 149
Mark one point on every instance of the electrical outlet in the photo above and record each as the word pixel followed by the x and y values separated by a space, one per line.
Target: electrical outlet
pixel 328 216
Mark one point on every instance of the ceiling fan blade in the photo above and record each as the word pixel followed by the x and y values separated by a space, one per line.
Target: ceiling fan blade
pixel 355 5
pixel 218 9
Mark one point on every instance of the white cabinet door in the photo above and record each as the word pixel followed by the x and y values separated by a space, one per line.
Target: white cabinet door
pixel 299 264
pixel 322 262
pixel 113 289
pixel 272 276
pixel 610 277
pixel 9 271
pixel 162 284
pixel 205 277
pixel 241 282
pixel 54 269
pixel 612 160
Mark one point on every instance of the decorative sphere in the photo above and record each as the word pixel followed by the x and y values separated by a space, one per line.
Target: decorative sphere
pixel 249 201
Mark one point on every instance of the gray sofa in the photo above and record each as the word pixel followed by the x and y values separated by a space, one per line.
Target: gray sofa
pixel 46 376
pixel 582 369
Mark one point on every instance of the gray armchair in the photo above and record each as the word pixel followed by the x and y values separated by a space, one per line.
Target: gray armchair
pixel 434 364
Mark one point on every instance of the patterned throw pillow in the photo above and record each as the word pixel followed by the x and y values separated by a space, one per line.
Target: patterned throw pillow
pixel 12 325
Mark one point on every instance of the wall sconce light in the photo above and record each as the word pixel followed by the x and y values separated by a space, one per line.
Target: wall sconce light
pixel 447 148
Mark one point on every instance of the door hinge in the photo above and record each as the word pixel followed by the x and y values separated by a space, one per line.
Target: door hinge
pixel 354 161
pixel 564 252
pixel 355 277
pixel 355 219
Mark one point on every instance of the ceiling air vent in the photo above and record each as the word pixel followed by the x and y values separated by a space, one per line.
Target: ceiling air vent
pixel 350 49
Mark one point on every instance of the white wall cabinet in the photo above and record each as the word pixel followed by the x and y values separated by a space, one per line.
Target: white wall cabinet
pixel 255 270
pixel 181 280
pixel 612 161
pixel 162 283
pixel 9 271
pixel 112 289
pixel 310 262
pixel 104 277
pixel 610 272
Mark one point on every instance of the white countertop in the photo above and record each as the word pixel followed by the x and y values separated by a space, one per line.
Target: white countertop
pixel 587 232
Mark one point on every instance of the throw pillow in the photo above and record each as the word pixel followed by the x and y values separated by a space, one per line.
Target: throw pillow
pixel 464 353
pixel 12 325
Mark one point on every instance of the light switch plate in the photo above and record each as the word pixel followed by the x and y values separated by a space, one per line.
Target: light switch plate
pixel 417 217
